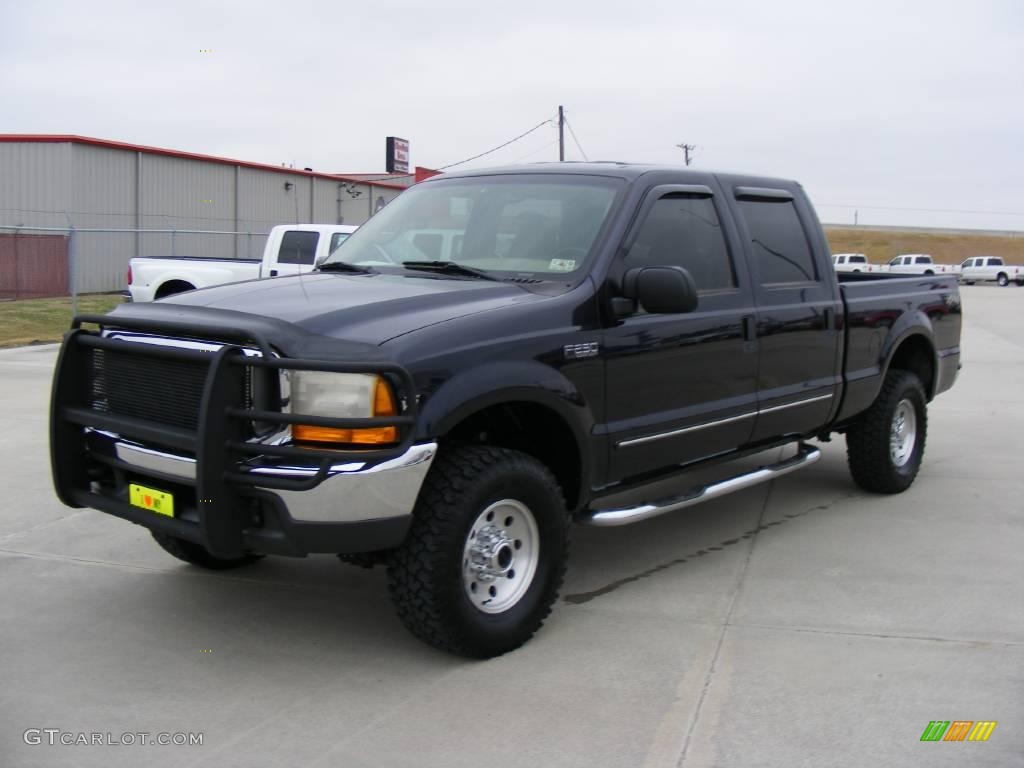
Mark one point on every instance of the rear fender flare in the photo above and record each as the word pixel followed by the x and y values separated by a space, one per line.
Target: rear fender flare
pixel 906 327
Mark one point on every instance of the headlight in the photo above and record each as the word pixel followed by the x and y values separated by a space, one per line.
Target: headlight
pixel 342 396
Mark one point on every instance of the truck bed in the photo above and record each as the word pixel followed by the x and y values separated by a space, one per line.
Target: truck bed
pixel 880 310
pixel 195 258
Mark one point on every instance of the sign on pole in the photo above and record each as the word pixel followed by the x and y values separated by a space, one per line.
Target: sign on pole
pixel 397 155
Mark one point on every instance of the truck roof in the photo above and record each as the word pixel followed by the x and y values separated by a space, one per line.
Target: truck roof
pixel 321 228
pixel 613 168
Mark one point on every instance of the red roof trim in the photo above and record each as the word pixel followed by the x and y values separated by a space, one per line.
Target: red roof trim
pixel 35 138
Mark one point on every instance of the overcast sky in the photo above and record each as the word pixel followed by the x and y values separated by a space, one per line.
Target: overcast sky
pixel 875 105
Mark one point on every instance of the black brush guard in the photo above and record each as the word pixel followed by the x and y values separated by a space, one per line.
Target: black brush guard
pixel 227 501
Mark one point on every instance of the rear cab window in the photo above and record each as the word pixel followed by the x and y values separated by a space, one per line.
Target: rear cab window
pixel 781 251
pixel 298 247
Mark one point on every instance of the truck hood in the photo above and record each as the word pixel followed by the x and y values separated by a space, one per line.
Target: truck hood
pixel 366 308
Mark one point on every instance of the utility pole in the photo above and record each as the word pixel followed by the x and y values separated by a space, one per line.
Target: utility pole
pixel 687 149
pixel 561 134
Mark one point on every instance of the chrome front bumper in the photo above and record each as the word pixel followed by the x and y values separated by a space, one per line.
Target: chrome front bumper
pixel 352 492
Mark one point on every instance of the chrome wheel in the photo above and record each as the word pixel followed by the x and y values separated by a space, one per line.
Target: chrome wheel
pixel 903 434
pixel 500 556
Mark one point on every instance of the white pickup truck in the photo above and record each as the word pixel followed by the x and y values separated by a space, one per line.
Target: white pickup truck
pixel 853 262
pixel 290 249
pixel 981 269
pixel 920 264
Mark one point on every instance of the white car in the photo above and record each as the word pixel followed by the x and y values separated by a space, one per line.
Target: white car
pixel 853 262
pixel 290 249
pixel 920 264
pixel 980 269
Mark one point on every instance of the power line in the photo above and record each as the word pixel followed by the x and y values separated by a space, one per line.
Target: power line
pixel 500 146
pixel 534 152
pixel 575 140
pixel 474 157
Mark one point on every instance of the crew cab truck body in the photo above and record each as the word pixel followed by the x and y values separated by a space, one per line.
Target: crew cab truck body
pixel 853 262
pixel 290 249
pixel 601 332
pixel 919 264
pixel 981 269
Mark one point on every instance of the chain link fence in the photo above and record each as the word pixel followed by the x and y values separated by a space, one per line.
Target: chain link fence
pixel 39 261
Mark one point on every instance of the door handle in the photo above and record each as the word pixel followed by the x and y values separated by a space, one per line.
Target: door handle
pixel 273 273
pixel 749 328
pixel 830 317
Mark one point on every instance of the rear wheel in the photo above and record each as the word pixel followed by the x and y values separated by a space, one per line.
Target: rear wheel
pixel 196 554
pixel 486 554
pixel 1002 280
pixel 173 287
pixel 885 446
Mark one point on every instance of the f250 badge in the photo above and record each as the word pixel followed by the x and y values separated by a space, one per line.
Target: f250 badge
pixel 581 351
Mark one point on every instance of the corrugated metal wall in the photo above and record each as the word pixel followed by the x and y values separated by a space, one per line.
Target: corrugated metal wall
pixel 34 183
pixel 57 184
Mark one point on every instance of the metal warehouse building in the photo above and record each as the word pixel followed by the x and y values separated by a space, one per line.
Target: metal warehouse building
pixel 74 210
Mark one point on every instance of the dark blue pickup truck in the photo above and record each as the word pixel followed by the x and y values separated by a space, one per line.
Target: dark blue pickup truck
pixel 493 356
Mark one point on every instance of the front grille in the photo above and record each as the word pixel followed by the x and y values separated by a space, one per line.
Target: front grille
pixel 168 392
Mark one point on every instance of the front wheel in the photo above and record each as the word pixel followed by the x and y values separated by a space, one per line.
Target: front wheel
pixel 885 445
pixel 486 553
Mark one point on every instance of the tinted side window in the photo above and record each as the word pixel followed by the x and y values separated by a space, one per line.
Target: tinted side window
pixel 684 231
pixel 298 247
pixel 858 260
pixel 780 246
pixel 923 260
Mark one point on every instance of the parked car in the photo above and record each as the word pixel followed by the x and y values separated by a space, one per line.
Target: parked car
pixel 981 269
pixel 919 264
pixel 290 249
pixel 853 262
pixel 448 419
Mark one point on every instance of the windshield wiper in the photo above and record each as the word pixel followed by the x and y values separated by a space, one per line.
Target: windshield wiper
pixel 449 268
pixel 344 266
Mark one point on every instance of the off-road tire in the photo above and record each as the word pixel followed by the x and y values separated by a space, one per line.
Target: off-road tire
pixel 425 575
pixel 868 438
pixel 196 554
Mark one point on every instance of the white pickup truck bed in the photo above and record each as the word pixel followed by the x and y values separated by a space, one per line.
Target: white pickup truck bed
pixel 290 249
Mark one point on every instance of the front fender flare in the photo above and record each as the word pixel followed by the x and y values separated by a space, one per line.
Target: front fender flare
pixel 489 384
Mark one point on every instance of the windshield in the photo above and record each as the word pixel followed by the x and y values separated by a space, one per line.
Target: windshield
pixel 541 227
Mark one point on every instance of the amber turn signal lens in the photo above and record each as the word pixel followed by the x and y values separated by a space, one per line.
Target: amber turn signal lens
pixel 383 400
pixel 383 405
pixel 374 436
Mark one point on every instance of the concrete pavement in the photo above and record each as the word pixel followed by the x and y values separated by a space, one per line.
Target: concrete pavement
pixel 802 623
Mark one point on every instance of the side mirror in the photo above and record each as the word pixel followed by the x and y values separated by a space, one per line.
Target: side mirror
pixel 661 290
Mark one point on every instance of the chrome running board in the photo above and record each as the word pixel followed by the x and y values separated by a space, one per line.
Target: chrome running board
pixel 806 455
